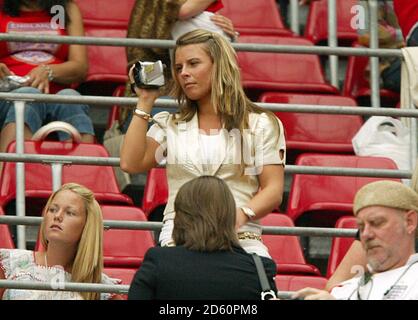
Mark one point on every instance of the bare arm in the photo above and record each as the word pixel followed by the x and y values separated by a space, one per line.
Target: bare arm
pixel 75 68
pixel 138 150
pixel 4 71
pixel 270 195
pixel 225 24
pixel 355 256
pixel 192 8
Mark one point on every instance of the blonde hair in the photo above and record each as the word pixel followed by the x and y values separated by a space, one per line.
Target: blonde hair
pixel 227 95
pixel 88 262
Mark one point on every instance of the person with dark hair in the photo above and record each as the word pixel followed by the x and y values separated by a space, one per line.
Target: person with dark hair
pixel 48 67
pixel 208 261
pixel 71 235
pixel 217 131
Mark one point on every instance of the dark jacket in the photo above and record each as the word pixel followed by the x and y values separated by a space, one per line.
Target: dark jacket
pixel 179 273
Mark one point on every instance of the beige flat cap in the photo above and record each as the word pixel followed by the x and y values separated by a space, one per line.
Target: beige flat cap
pixel 386 193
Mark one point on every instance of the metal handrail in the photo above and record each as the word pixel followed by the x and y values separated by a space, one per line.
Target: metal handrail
pixel 171 103
pixel 167 44
pixel 86 287
pixel 65 286
pixel 156 226
pixel 289 169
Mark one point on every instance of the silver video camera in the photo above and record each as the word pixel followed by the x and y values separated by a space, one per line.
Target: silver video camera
pixel 149 75
pixel 10 83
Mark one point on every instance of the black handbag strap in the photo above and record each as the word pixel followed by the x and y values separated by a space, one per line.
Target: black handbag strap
pixel 266 292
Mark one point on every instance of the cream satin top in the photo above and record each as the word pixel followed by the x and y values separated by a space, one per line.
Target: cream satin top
pixel 181 145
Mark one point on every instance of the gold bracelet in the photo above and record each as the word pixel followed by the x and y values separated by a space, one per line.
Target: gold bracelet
pixel 142 114
pixel 249 236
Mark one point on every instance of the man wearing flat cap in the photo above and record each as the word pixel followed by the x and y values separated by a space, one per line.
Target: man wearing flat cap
pixel 387 216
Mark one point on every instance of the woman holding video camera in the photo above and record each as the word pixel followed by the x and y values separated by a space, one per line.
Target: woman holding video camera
pixel 47 67
pixel 218 131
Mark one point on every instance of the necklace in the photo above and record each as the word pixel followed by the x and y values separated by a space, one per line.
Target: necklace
pixel 371 284
pixel 397 280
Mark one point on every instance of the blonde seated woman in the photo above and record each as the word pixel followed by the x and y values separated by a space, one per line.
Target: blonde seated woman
pixel 72 235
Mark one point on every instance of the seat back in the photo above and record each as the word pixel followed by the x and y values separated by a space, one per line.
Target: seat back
pixel 297 282
pixel 316 28
pixel 286 251
pixel 316 132
pixel 106 63
pixel 106 13
pixel 255 17
pixel 124 274
pixel 125 248
pixel 292 72
pixel 356 84
pixel 155 191
pixel 110 19
pixel 6 241
pixel 330 196
pixel 340 246
pixel 38 177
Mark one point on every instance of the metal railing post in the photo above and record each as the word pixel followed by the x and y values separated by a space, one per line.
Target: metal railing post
pixel 374 61
pixel 56 169
pixel 332 41
pixel 20 172
pixel 413 135
pixel 294 16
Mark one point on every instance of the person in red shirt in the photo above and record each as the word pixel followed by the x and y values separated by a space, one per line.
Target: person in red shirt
pixel 407 14
pixel 50 68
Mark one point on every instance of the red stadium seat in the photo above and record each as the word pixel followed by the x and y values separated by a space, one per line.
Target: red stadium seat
pixel 286 251
pixel 125 248
pixel 106 18
pixel 316 132
pixel 356 84
pixel 124 274
pixel 106 63
pixel 156 190
pixel 106 13
pixel 324 199
pixel 340 246
pixel 6 241
pixel 38 177
pixel 294 282
pixel 286 72
pixel 316 28
pixel 255 17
